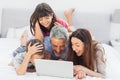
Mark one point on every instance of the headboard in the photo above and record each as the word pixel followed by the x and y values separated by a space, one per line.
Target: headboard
pixel 12 17
pixel 98 22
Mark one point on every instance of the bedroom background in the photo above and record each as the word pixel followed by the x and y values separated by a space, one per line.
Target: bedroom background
pixel 95 6
pixel 90 6
pixel 98 7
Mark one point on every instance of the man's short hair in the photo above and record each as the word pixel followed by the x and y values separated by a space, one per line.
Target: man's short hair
pixel 59 32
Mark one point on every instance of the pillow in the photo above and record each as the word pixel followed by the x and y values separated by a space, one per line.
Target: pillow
pixel 17 32
pixel 11 33
pixel 112 62
pixel 8 45
pixel 115 31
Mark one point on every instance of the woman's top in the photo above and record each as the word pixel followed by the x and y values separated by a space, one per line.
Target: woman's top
pixel 100 62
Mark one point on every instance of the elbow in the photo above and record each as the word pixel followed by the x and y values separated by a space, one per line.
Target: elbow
pixel 19 72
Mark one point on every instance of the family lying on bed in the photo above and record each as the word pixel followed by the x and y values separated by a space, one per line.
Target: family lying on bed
pixel 54 39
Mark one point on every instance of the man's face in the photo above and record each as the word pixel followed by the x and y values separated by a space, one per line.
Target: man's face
pixel 58 46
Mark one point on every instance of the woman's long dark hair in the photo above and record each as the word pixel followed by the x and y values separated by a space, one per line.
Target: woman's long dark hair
pixel 87 58
pixel 41 10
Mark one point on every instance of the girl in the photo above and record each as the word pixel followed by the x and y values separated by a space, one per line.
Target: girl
pixel 42 21
pixel 86 54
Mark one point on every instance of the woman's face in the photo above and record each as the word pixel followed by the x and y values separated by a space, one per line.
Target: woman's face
pixel 46 21
pixel 77 46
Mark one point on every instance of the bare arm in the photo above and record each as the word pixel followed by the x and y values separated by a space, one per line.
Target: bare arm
pixel 88 71
pixel 38 32
pixel 21 70
pixel 100 59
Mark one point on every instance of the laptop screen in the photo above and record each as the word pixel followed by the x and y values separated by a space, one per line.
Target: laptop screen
pixel 54 68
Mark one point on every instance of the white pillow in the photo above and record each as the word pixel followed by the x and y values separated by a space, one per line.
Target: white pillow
pixel 17 32
pixel 11 33
pixel 112 62
pixel 115 31
pixel 8 45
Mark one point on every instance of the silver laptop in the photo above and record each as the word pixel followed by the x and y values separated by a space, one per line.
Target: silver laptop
pixel 54 68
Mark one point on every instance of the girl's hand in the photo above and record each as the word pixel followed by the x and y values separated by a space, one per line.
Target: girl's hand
pixel 56 23
pixel 37 24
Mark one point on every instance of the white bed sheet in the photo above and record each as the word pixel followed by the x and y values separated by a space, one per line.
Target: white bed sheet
pixel 113 62
pixel 8 73
pixel 8 45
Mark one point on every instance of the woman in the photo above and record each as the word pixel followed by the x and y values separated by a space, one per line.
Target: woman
pixel 86 54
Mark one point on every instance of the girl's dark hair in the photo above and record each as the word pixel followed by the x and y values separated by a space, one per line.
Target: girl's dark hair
pixel 87 58
pixel 33 41
pixel 41 10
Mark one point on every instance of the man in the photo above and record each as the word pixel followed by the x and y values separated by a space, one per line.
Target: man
pixel 58 39
pixel 55 44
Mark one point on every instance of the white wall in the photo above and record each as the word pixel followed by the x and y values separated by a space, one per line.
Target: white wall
pixel 83 5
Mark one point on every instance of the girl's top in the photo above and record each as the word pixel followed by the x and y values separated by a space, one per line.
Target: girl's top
pixel 46 32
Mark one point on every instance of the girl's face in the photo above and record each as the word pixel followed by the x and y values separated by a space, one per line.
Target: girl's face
pixel 77 46
pixel 35 56
pixel 46 21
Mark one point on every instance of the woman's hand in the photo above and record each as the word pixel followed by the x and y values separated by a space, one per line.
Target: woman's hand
pixel 80 74
pixel 86 71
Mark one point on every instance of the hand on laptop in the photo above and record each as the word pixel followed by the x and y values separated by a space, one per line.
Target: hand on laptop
pixel 79 72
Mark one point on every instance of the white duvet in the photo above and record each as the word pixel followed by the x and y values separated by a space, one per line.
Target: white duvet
pixel 113 62
pixel 8 73
pixel 7 46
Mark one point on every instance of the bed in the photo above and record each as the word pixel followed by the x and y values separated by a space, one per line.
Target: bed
pixel 8 45
pixel 15 21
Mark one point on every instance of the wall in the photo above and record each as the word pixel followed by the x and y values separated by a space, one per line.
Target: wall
pixel 84 5
pixel 100 6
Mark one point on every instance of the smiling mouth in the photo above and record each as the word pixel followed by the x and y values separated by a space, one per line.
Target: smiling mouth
pixel 57 54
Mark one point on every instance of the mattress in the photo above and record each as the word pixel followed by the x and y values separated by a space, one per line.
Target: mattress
pixel 8 45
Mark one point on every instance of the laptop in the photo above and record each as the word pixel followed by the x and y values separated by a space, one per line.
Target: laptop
pixel 54 68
